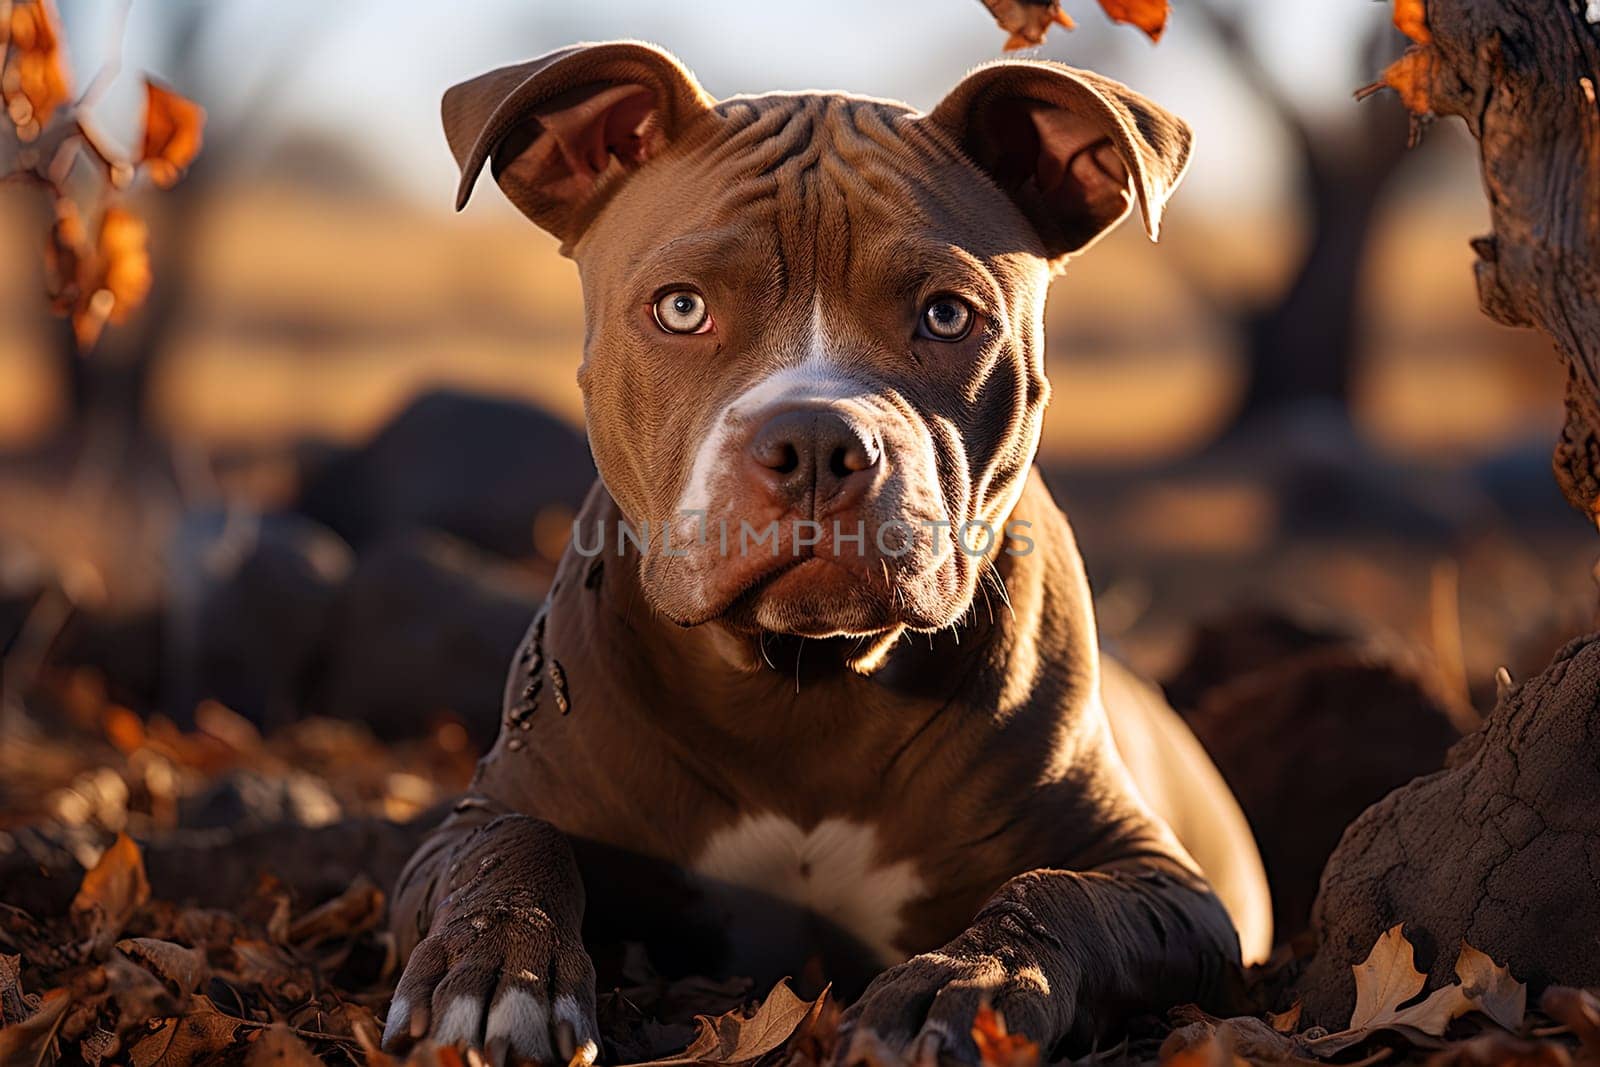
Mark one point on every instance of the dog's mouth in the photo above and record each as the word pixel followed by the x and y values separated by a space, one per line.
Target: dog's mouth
pixel 808 595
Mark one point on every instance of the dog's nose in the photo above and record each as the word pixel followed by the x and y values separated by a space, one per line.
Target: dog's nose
pixel 808 449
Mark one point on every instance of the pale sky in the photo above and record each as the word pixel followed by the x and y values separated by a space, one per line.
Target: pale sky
pixel 369 73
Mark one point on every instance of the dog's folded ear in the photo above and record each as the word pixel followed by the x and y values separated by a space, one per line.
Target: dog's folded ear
pixel 1071 148
pixel 557 130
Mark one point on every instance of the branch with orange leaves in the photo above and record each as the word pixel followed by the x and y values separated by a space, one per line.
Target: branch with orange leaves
pixel 1027 21
pixel 97 266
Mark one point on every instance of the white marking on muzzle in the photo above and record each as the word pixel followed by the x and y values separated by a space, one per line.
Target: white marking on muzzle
pixel 814 379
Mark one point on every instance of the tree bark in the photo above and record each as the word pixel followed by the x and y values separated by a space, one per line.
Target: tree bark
pixel 1522 74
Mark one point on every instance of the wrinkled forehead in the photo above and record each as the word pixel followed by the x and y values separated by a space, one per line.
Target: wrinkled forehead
pixel 814 188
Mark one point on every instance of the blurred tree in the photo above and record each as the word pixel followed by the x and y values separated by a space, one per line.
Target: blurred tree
pixel 96 263
pixel 1303 347
pixel 108 383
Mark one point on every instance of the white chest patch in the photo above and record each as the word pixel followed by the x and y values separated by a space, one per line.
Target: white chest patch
pixel 833 870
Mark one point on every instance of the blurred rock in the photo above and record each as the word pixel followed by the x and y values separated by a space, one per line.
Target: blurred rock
pixel 1245 639
pixel 426 628
pixel 1501 849
pixel 481 468
pixel 1308 728
pixel 245 799
pixel 248 606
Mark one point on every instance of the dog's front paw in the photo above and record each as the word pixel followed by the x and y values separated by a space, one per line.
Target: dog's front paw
pixel 504 978
pixel 923 1010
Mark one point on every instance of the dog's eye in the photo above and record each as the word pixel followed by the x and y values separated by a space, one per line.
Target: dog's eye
pixel 947 318
pixel 683 311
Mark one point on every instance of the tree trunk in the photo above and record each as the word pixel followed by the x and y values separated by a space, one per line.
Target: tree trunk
pixel 1522 74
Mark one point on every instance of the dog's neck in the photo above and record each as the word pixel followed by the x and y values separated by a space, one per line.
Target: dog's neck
pixel 710 676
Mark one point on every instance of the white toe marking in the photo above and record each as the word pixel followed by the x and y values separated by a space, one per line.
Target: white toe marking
pixel 833 870
pixel 567 1008
pixel 399 1012
pixel 460 1023
pixel 524 1021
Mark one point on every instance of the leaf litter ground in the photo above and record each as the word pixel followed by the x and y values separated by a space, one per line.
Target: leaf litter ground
pixel 118 974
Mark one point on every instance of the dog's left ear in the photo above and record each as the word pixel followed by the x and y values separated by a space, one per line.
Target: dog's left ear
pixel 1071 148
pixel 558 130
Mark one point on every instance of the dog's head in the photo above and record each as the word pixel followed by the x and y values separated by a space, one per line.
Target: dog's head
pixel 814 365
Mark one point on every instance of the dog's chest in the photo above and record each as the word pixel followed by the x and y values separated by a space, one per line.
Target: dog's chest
pixel 784 891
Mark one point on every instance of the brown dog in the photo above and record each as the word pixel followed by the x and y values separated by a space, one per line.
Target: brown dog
pixel 818 684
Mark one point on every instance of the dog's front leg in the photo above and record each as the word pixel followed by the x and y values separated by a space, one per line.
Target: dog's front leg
pixel 498 903
pixel 1062 956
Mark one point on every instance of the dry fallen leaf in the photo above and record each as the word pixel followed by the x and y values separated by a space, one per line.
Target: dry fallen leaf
pixel 1203 1040
pixel 111 892
pixel 33 80
pixel 1387 979
pixel 201 1033
pixel 15 1005
pixel 28 1042
pixel 1490 989
pixel 1496 1049
pixel 173 132
pixel 358 909
pixel 1285 1022
pixel 183 967
pixel 1579 1011
pixel 997 1047
pixel 137 994
pixel 734 1038
pixel 1199 1045
pixel 278 1045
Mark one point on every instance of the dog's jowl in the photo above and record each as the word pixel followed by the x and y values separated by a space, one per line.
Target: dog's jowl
pixel 817 691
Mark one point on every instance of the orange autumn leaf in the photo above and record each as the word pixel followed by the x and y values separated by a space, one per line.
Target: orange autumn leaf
pixel 1149 15
pixel 110 893
pixel 1412 77
pixel 33 80
pixel 113 280
pixel 125 260
pixel 123 728
pixel 173 126
pixel 997 1047
pixel 1411 19
pixel 1026 23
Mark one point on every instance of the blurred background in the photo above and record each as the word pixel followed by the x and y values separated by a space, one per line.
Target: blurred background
pixel 328 467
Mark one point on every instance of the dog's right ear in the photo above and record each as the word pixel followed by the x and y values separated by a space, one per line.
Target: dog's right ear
pixel 559 130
